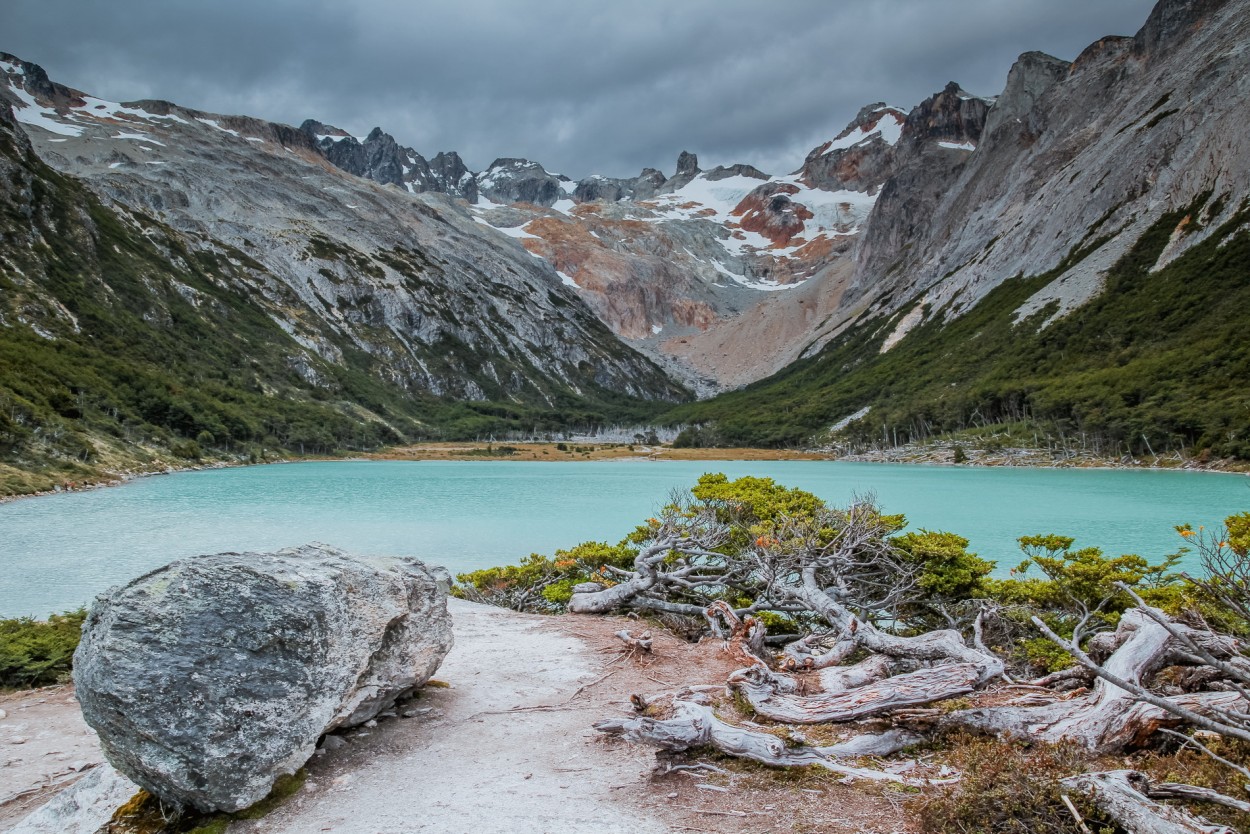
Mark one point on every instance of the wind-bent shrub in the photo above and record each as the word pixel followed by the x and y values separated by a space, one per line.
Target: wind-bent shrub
pixel 36 652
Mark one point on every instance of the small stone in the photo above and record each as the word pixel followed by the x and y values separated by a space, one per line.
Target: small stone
pixel 17 740
pixel 390 713
pixel 410 713
pixel 333 743
pixel 371 723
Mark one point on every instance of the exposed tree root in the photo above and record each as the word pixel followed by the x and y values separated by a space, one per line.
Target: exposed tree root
pixel 1109 718
pixel 1125 796
pixel 694 725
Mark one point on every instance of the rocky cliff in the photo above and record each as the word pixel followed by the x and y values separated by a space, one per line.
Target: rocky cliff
pixel 1072 159
pixel 1070 257
pixel 446 307
pixel 176 284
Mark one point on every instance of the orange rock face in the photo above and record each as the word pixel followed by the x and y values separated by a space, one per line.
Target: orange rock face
pixel 769 211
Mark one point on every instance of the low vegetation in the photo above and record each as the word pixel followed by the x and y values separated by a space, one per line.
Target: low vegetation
pixel 839 617
pixel 38 652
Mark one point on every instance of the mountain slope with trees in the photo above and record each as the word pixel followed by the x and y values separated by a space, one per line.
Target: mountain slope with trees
pixel 125 343
pixel 1078 278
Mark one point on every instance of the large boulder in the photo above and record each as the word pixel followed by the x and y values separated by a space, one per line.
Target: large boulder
pixel 209 678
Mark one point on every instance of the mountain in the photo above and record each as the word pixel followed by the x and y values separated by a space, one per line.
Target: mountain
pixel 1067 261
pixel 1063 260
pixel 684 268
pixel 171 275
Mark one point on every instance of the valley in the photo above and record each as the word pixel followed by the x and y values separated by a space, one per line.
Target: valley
pixel 1064 261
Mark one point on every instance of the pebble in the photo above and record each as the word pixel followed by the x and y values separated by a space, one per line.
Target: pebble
pixel 17 740
pixel 371 723
pixel 333 743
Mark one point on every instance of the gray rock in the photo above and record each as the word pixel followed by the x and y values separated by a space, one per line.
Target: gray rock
pixel 687 170
pixel 720 172
pixel 210 677
pixel 82 808
pixel 687 164
pixel 520 181
pixel 332 743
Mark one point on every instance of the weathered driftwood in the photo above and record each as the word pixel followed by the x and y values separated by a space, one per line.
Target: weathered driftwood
pixel 807 653
pixel 694 725
pixel 1109 718
pixel 743 636
pixel 877 692
pixel 1123 796
pixel 1191 793
pixel 933 646
pixel 641 643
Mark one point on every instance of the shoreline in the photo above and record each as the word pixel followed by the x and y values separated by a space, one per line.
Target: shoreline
pixel 529 452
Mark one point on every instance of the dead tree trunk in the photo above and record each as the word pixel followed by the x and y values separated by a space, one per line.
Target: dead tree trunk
pixel 743 636
pixel 1110 718
pixel 1124 796
pixel 873 697
pixel 694 725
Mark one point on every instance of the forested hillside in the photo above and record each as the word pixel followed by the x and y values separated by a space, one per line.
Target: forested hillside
pixel 126 344
pixel 1158 361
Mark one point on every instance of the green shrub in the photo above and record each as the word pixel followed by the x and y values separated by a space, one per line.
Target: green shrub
pixel 38 653
pixel 1006 788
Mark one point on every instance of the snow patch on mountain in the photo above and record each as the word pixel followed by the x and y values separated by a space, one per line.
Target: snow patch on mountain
pixel 30 113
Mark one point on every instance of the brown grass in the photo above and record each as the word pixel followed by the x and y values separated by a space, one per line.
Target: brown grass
pixel 581 452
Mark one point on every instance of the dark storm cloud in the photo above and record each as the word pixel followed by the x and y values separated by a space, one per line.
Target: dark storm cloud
pixel 580 85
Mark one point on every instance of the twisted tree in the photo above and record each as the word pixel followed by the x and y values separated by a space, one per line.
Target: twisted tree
pixel 874 623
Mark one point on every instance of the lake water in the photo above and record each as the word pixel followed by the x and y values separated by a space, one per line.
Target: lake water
pixel 58 551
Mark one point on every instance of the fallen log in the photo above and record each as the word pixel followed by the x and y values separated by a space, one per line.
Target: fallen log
pixel 693 725
pixel 1109 718
pixel 874 692
pixel 1122 795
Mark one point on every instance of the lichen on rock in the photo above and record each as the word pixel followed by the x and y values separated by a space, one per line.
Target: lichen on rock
pixel 211 677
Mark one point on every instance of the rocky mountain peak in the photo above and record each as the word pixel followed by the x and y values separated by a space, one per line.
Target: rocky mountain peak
pixel 514 180
pixel 1170 22
pixel 951 119
pixel 859 158
pixel 687 164
pixel 687 170
pixel 596 188
pixel 34 79
pixel 1030 77
pixel 720 172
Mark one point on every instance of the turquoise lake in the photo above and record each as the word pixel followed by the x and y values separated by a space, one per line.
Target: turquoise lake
pixel 58 551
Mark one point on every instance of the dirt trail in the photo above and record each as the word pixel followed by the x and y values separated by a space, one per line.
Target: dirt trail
pixel 44 746
pixel 506 747
pixel 477 763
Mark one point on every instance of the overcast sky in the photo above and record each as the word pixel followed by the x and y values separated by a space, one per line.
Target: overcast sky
pixel 583 86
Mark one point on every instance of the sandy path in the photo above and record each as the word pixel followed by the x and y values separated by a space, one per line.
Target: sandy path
pixel 507 748
pixel 472 766
pixel 44 746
